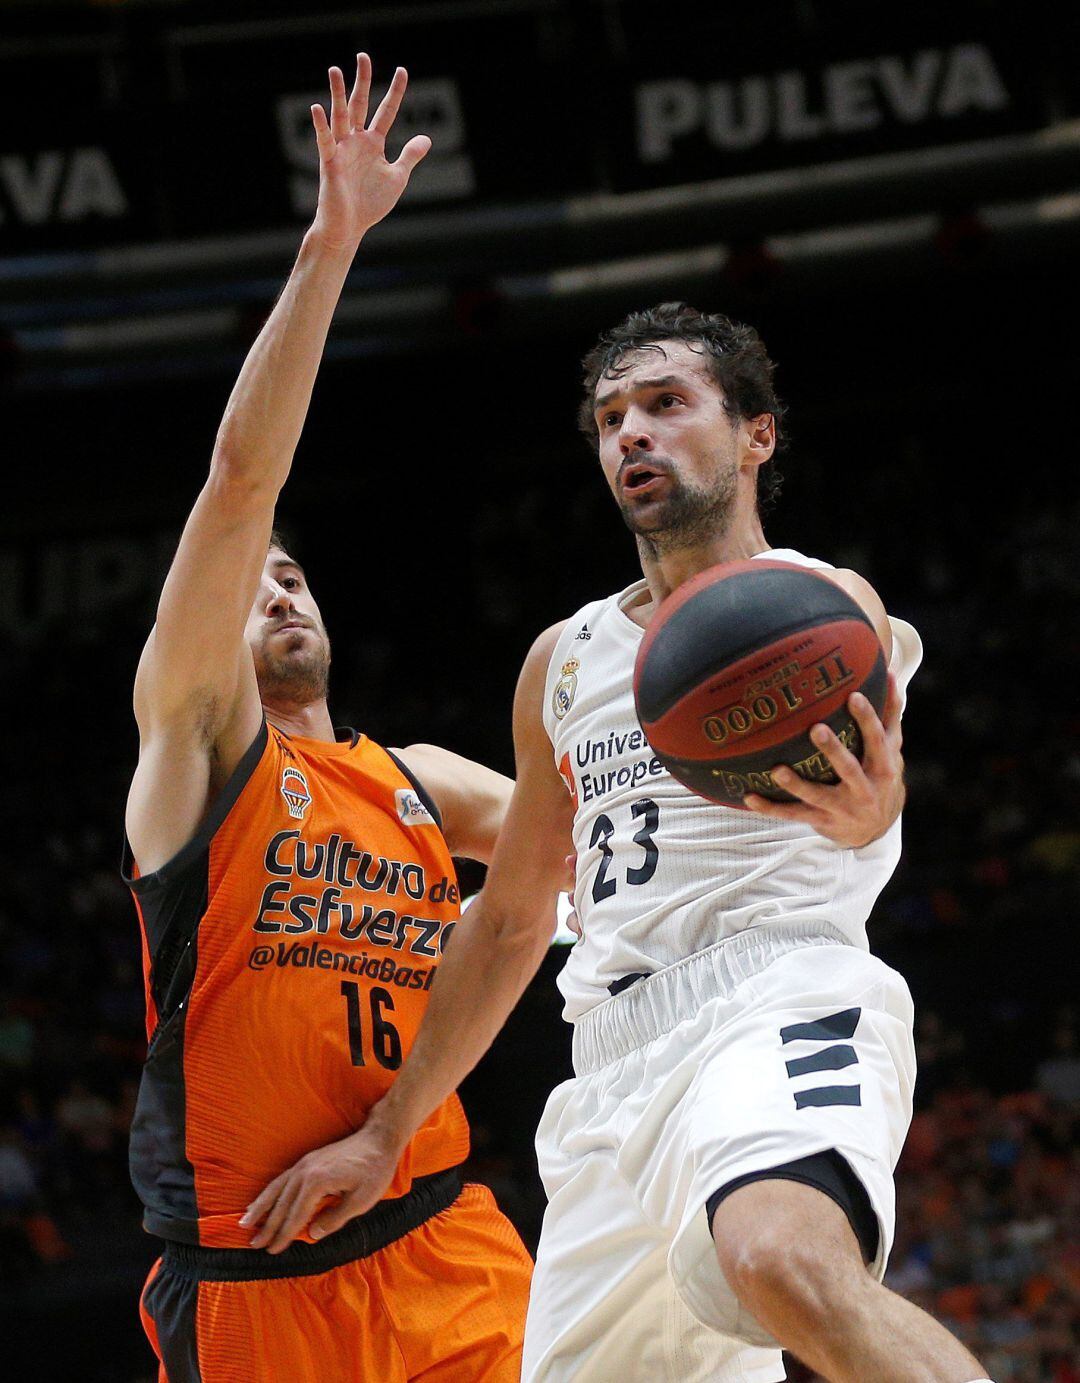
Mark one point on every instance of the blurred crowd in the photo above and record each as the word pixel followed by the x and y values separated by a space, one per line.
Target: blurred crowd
pixel 988 1213
pixel 71 1046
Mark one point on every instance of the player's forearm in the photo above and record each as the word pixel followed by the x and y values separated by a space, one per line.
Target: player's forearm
pixel 480 979
pixel 266 410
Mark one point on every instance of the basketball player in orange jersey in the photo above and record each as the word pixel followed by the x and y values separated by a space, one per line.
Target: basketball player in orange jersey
pixel 719 1170
pixel 296 892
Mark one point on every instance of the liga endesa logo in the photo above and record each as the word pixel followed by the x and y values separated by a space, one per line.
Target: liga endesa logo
pixel 411 810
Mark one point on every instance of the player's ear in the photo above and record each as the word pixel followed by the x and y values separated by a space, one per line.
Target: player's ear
pixel 759 438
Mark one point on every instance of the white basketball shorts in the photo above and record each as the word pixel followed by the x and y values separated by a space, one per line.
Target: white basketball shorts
pixel 773 1045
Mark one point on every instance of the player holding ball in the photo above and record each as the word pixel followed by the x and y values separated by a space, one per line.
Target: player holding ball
pixel 740 665
pixel 719 1169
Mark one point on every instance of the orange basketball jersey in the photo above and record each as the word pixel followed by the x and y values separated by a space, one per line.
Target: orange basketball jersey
pixel 289 951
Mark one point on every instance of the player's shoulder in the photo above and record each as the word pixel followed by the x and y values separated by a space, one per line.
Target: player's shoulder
pixel 849 581
pixel 466 799
pixel 442 768
pixel 543 653
pixel 545 643
pixel 867 599
pixel 529 697
pixel 857 587
pixel 542 650
pixel 581 622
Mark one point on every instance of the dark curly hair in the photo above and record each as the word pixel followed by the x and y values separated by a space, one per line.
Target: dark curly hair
pixel 736 360
pixel 281 538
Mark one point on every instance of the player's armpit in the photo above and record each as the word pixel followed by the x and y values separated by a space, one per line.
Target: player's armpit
pixel 472 800
pixel 184 761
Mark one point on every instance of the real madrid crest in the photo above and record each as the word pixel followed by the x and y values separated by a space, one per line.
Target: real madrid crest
pixel 565 688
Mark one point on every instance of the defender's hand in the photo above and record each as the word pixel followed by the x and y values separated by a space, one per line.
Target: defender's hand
pixel 357 186
pixel 353 1173
pixel 869 796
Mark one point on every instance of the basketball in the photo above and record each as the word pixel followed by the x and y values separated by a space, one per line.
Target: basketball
pixel 740 663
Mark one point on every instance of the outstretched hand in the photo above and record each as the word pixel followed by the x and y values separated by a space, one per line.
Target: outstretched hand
pixel 869 795
pixel 357 185
pixel 324 1190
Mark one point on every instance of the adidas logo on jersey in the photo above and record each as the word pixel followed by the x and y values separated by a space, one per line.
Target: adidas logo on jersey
pixel 583 632
pixel 294 789
pixel 411 810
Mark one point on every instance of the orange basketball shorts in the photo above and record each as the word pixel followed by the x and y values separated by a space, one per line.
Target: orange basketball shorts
pixel 444 1303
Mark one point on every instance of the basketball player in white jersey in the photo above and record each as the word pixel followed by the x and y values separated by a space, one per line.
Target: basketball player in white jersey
pixel 719 1170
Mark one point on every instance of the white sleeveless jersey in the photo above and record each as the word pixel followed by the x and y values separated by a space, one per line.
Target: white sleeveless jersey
pixel 661 872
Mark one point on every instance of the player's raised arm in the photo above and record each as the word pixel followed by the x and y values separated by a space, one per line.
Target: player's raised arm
pixel 196 698
pixel 481 978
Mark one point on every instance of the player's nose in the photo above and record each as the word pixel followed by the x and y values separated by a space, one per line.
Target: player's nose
pixel 277 599
pixel 633 436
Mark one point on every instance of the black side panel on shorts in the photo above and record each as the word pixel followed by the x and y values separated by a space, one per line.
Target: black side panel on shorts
pixel 828 1172
pixel 170 1301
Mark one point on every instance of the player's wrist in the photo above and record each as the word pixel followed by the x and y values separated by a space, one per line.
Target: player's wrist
pixel 390 1123
pixel 323 243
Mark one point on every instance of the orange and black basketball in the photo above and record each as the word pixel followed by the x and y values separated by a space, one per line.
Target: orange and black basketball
pixel 740 663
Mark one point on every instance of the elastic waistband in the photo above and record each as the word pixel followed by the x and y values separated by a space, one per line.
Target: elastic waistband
pixel 367 1234
pixel 656 1005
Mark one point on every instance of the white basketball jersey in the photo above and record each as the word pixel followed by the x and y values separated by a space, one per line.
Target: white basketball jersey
pixel 661 872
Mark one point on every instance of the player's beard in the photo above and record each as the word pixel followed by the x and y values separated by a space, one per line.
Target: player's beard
pixel 298 676
pixel 688 517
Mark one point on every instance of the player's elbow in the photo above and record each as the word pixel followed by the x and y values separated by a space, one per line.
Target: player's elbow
pixel 240 479
pixel 472 827
pixel 484 828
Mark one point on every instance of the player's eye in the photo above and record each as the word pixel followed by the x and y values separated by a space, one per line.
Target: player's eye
pixel 666 400
pixel 610 420
pixel 291 583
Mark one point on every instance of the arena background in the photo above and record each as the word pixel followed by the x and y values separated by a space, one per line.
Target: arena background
pixel 890 193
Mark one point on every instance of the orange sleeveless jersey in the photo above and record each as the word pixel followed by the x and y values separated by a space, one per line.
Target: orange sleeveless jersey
pixel 288 949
